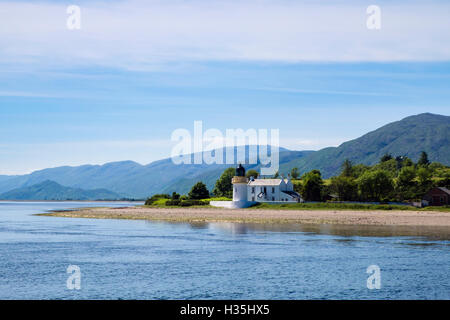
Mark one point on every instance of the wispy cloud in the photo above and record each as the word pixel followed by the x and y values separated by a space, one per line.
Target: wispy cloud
pixel 328 92
pixel 144 35
pixel 27 94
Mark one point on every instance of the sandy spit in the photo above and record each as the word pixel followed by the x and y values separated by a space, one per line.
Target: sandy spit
pixel 378 217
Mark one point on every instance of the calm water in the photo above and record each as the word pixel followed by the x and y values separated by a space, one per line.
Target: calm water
pixel 122 259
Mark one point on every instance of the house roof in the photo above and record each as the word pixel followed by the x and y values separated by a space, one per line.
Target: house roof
pixel 265 182
pixel 292 194
pixel 444 189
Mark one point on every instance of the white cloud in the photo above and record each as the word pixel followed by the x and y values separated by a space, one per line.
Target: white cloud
pixel 333 92
pixel 27 94
pixel 142 35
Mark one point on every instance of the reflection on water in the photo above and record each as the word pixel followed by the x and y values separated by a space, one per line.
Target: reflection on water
pixel 130 259
pixel 438 233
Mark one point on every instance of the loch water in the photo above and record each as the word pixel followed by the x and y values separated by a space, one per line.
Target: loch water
pixel 128 259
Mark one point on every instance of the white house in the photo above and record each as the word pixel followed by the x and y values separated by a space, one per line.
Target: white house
pixel 272 190
pixel 247 192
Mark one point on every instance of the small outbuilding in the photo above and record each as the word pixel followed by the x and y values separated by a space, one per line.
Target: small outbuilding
pixel 438 196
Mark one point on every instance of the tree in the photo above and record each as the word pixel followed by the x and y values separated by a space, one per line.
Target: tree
pixel 347 168
pixel 403 161
pixel 312 186
pixel 406 176
pixel 344 187
pixel 175 196
pixel 423 161
pixel 375 185
pixel 406 186
pixel 388 165
pixel 295 173
pixel 359 169
pixel 407 162
pixel 315 171
pixel 252 173
pixel 223 186
pixel 424 176
pixel 386 157
pixel 199 191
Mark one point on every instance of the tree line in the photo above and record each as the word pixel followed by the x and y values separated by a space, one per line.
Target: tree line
pixel 391 179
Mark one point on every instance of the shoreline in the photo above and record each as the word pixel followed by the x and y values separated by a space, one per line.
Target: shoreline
pixel 94 201
pixel 327 216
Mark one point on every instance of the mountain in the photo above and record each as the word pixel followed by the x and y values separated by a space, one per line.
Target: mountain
pixel 210 175
pixel 131 179
pixel 408 137
pixel 50 190
pixel 424 132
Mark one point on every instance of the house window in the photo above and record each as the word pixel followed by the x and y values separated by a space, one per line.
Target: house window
pixel 273 190
pixel 253 198
pixel 253 189
pixel 273 198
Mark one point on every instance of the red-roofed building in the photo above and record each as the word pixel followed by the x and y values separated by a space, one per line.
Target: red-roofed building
pixel 438 196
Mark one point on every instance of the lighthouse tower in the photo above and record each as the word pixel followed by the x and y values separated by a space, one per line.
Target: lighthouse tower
pixel 240 182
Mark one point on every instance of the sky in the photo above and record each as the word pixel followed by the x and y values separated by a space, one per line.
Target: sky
pixel 135 71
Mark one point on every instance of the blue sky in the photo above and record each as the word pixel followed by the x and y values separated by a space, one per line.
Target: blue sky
pixel 136 71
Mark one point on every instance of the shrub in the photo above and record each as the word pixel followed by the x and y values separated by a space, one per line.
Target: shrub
pixel 155 197
pixel 186 203
pixel 223 187
pixel 192 202
pixel 199 191
pixel 175 196
pixel 174 202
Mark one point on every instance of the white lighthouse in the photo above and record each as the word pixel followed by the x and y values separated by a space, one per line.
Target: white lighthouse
pixel 247 193
pixel 239 182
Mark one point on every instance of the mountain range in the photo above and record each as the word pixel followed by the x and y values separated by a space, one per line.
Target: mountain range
pixel 408 137
pixel 50 190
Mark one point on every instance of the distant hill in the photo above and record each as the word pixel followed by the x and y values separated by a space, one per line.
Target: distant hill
pixel 50 190
pixel 130 179
pixel 427 132
pixel 408 137
pixel 210 175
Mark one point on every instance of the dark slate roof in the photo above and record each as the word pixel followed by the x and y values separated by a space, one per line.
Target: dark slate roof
pixel 444 189
pixel 292 194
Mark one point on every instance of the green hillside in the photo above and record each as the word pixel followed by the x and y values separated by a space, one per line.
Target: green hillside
pixel 408 137
pixel 50 190
pixel 127 178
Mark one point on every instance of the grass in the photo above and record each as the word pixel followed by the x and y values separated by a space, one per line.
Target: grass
pixel 161 203
pixel 219 199
pixel 345 206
